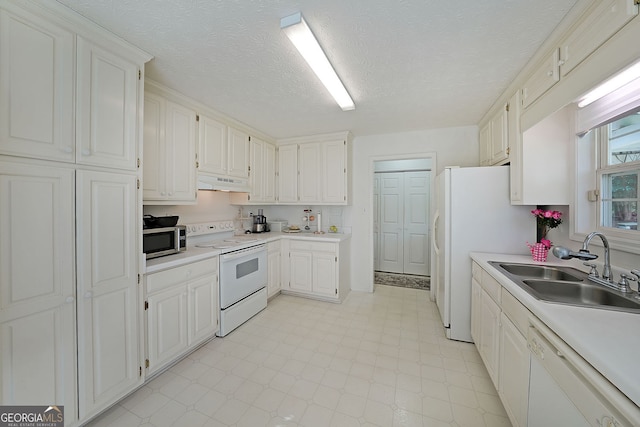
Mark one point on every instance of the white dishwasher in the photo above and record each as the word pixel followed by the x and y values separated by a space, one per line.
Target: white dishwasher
pixel 565 390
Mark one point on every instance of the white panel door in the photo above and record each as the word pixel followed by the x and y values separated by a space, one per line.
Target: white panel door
pixel 269 173
pixel 238 154
pixel 154 172
pixel 181 152
pixel 391 222
pixel 335 172
pixel 301 268
pixel 108 329
pixel 212 146
pixel 167 323
pixel 36 87
pixel 37 287
pixel 202 308
pixel 376 221
pixel 107 108
pixel 288 173
pixel 325 274
pixel 310 169
pixel 416 222
pixel 256 174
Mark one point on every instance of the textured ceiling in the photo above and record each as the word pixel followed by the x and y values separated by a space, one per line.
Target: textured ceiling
pixel 408 64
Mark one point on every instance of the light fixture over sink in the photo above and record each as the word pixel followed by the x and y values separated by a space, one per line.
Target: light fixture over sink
pixel 296 28
pixel 616 82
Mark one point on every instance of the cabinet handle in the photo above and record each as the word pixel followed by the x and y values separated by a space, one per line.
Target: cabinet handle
pixel 162 193
pixel 170 194
pixel 560 63
pixel 88 294
pixel 67 150
pixel 86 152
pixel 549 73
pixel 69 300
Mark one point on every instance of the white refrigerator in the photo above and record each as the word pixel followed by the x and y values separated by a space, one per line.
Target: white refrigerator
pixel 473 214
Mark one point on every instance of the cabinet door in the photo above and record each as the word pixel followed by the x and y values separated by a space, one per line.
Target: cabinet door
pixel 490 336
pixel 325 270
pixel 167 325
pixel 601 23
pixel 154 170
pixel 36 87
pixel 212 146
pixel 180 152
pixel 499 137
pixel 514 372
pixel 484 140
pixel 238 154
pixel 37 287
pixel 515 147
pixel 107 108
pixel 547 75
pixel 300 276
pixel 269 173
pixel 202 308
pixel 288 173
pixel 256 175
pixel 273 268
pixel 476 312
pixel 107 262
pixel 334 185
pixel 310 168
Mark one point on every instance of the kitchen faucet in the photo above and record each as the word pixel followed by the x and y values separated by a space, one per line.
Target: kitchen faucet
pixel 584 254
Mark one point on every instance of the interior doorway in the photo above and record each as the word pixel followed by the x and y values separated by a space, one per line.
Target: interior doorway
pixel 401 219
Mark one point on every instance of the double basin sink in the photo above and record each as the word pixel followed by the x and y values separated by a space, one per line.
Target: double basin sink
pixel 566 285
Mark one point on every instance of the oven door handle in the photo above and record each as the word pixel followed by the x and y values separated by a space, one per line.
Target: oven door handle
pixel 242 252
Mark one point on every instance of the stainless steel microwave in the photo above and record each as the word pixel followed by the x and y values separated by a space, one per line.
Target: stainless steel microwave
pixel 157 242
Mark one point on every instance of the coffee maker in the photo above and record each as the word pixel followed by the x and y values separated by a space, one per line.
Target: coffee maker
pixel 259 223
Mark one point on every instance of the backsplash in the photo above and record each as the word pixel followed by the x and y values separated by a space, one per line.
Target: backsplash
pixel 216 206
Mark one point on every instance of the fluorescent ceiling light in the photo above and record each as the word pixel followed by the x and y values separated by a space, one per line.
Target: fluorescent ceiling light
pixel 614 83
pixel 296 28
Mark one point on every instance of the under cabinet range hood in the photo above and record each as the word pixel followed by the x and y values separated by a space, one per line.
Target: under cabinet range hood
pixel 223 183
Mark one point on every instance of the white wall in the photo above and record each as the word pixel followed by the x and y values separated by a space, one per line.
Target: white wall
pixel 448 147
pixel 211 206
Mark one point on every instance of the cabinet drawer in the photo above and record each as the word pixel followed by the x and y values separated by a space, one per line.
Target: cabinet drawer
pixel 491 286
pixel 177 275
pixel 515 311
pixel 303 245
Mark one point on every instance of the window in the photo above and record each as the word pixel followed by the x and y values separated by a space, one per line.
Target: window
pixel 618 174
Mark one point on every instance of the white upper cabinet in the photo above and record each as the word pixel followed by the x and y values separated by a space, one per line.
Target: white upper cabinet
pixel 36 87
pixel 603 21
pixel 107 107
pixel 212 146
pixel 315 170
pixel 598 24
pixel 170 152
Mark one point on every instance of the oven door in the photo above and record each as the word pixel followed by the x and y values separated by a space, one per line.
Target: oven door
pixel 242 273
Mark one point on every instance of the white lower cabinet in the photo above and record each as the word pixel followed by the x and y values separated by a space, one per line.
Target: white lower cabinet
pixel 274 262
pixel 498 324
pixel 514 372
pixel 316 269
pixel 182 311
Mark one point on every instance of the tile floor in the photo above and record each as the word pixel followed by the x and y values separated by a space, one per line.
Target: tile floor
pixel 378 359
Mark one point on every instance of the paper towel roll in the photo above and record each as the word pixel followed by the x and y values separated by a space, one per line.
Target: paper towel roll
pixel 319 216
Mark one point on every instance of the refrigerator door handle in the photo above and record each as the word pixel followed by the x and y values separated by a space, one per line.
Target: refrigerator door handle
pixel 434 240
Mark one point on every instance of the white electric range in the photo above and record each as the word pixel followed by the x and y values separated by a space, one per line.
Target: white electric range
pixel 243 270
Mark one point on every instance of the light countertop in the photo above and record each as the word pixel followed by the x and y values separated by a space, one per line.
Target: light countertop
pixel 609 340
pixel 193 254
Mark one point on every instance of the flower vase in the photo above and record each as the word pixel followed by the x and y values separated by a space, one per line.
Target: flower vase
pixel 539 252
